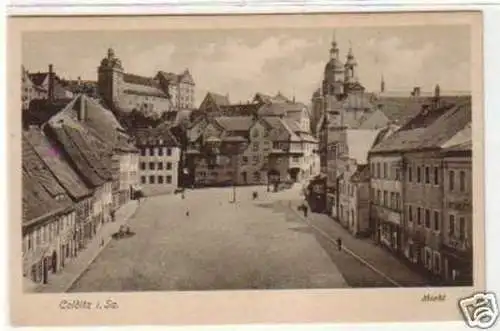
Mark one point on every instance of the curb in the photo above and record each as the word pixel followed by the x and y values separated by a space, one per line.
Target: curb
pixel 345 249
pixel 106 243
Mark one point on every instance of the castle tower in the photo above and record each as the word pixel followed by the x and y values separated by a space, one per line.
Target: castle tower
pixel 110 78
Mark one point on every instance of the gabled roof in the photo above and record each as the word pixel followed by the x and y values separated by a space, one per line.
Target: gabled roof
pixel 280 109
pixel 37 204
pixel 235 123
pixel 147 136
pixel 239 109
pixel 186 77
pixel 139 80
pixel 54 161
pixel 359 143
pixel 431 132
pixel 38 78
pixel 293 124
pixel 90 156
pixel 463 136
pixel 41 110
pixel 35 166
pixel 101 121
pixel 219 99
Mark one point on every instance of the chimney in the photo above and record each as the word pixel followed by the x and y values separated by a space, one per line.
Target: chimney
pixel 81 109
pixel 51 83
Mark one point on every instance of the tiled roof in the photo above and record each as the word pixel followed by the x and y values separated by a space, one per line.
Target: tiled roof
pixel 362 173
pixel 235 123
pixel 293 124
pixel 462 147
pixel 422 133
pixel 359 143
pixel 356 101
pixel 279 124
pixel 79 153
pixel 219 99
pixel 239 110
pixel 462 136
pixel 38 78
pixel 168 76
pixel 278 109
pixel 147 136
pixel 139 80
pixel 154 93
pixel 35 166
pixel 54 160
pixel 307 137
pixel 37 203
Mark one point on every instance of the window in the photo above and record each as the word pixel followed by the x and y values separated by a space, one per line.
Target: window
pixel 397 174
pixel 143 165
pixel 436 176
pixel 436 221
pixel 244 159
pixel 385 198
pixel 256 176
pixel 378 170
pixel 372 169
pixel 451 180
pixel 160 179
pixel 462 181
pixel 451 229
pixel 410 214
pixel 169 165
pixel 151 151
pixel 385 170
pixel 379 197
pixel 151 166
pixel 393 200
pixel 295 159
pixel 255 146
pixel 160 166
pixel 409 174
pixel 419 215
pixel 160 151
pixel 255 159
pixel 143 152
pixel 462 227
pixel 427 218
pixel 427 175
pixel 419 175
pixel 428 258
pixel 151 179
pixel 398 201
pixel 168 179
pixel 169 151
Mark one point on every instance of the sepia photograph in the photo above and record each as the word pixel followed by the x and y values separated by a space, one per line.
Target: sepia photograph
pixel 322 157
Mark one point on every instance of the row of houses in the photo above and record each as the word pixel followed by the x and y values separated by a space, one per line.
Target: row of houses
pixel 78 167
pixel 265 141
pixel 407 186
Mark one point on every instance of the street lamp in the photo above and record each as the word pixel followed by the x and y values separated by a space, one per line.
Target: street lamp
pixel 234 146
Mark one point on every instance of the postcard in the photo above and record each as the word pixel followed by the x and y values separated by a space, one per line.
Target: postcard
pixel 236 169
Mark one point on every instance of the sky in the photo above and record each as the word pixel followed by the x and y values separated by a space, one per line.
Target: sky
pixel 243 62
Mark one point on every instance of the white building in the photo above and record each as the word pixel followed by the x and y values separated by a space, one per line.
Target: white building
pixel 159 160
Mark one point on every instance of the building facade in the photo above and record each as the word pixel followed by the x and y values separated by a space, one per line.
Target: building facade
pixel 457 214
pixel 159 161
pixel 152 96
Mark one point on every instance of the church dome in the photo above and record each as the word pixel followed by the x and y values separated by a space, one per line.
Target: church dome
pixel 334 65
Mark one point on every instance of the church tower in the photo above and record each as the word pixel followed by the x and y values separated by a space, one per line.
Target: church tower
pixel 334 70
pixel 110 78
pixel 350 74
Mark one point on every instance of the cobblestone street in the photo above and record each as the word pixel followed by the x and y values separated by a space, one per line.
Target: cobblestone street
pixel 219 245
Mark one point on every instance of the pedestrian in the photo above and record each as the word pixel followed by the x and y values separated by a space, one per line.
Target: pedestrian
pixel 305 209
pixel 187 213
pixel 339 244
pixel 102 242
pixel 112 216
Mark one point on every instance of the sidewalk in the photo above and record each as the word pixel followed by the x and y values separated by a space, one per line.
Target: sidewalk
pixel 75 267
pixel 365 248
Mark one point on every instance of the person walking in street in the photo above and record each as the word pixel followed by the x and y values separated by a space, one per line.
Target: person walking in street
pixel 305 209
pixel 339 244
